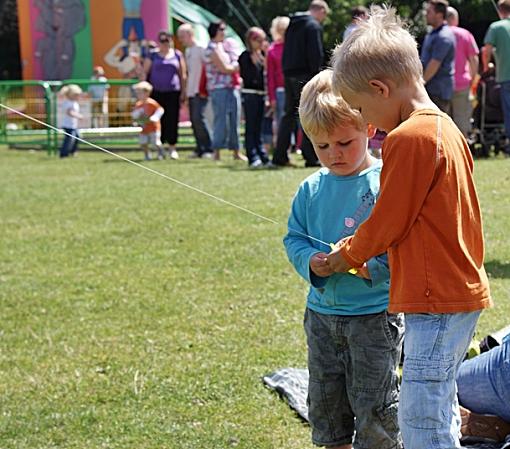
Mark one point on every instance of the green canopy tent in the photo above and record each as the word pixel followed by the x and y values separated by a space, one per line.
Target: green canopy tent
pixel 184 11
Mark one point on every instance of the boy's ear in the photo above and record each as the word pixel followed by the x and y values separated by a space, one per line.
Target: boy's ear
pixel 379 87
pixel 371 130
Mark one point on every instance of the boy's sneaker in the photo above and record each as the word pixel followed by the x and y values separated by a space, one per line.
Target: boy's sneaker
pixel 174 155
pixel 256 164
pixel 207 155
pixel 483 427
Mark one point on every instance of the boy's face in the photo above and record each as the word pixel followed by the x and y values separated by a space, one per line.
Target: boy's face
pixel 141 94
pixel 373 108
pixel 344 149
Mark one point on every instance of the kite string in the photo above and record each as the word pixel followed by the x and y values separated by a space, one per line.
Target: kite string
pixel 155 172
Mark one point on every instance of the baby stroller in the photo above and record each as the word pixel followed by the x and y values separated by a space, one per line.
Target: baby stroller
pixel 488 126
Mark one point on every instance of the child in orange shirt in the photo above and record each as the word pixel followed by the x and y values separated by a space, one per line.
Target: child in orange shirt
pixel 427 219
pixel 147 113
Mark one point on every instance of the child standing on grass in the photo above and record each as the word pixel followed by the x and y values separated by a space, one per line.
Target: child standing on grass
pixel 353 343
pixel 427 218
pixel 147 113
pixel 71 115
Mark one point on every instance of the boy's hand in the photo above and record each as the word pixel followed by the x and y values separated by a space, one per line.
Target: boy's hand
pixel 336 261
pixel 319 265
pixel 363 272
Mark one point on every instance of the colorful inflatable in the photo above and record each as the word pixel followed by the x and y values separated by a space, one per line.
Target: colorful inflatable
pixel 65 39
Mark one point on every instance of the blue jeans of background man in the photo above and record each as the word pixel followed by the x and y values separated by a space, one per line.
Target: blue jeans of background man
pixel 435 345
pixel 484 382
pixel 505 105
pixel 197 105
pixel 225 105
pixel 280 105
pixel 253 115
pixel 69 144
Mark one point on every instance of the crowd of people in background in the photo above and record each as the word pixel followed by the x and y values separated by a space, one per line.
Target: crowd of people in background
pixel 264 82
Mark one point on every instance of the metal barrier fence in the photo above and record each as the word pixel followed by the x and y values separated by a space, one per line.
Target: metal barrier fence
pixel 106 120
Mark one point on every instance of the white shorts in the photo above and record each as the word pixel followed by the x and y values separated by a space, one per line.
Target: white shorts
pixel 151 138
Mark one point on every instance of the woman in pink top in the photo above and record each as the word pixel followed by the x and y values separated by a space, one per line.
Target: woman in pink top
pixel 275 81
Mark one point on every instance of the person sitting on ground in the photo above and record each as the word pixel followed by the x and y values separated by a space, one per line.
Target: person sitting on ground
pixel 483 384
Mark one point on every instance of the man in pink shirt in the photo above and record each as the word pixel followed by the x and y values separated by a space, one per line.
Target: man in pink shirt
pixel 466 69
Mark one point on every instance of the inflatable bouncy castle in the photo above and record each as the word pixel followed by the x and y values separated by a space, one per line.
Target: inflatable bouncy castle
pixel 64 39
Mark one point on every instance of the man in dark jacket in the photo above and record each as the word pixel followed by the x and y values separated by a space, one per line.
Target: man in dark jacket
pixel 303 57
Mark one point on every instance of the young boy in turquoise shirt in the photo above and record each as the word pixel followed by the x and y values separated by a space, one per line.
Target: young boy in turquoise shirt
pixel 353 343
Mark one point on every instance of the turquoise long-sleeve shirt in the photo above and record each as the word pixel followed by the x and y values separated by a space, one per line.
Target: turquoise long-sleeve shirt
pixel 329 208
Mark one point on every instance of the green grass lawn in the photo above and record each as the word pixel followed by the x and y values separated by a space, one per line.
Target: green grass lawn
pixel 139 314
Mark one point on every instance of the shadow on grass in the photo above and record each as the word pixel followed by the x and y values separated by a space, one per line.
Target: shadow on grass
pixel 497 269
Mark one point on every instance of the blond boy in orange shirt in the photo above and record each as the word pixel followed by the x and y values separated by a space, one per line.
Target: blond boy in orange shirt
pixel 427 218
pixel 147 113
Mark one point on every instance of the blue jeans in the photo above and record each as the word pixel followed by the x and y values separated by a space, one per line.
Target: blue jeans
pixel 197 105
pixel 434 347
pixel 254 114
pixel 505 105
pixel 69 144
pixel 280 105
pixel 484 382
pixel 353 386
pixel 225 105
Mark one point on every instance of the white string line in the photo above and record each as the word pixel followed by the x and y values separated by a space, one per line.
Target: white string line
pixel 155 172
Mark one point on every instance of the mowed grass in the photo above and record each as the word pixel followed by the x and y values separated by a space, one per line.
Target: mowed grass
pixel 136 313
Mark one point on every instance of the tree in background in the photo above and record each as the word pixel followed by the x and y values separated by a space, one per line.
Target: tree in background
pixel 10 64
pixel 475 15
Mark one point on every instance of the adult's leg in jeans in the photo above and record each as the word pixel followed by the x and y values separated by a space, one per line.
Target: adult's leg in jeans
pixel 233 113
pixel 197 105
pixel 505 105
pixel 219 107
pixel 288 121
pixel 484 382
pixel 435 345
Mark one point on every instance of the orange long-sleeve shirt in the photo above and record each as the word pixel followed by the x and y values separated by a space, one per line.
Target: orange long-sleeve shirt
pixel 428 219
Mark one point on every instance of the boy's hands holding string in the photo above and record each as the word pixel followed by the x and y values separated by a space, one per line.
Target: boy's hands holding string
pixel 319 265
pixel 338 264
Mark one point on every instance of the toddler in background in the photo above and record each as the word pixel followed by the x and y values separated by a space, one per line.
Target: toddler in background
pixel 147 113
pixel 71 115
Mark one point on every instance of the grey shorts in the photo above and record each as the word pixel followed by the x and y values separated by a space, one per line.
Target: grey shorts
pixel 353 387
pixel 151 139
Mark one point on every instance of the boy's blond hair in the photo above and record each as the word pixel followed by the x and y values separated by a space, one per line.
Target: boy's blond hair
pixel 71 89
pixel 144 86
pixel 379 48
pixel 321 110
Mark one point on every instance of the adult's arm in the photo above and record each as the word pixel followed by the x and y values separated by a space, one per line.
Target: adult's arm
pixel 487 51
pixel 271 77
pixel 473 62
pixel 431 70
pixel 221 65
